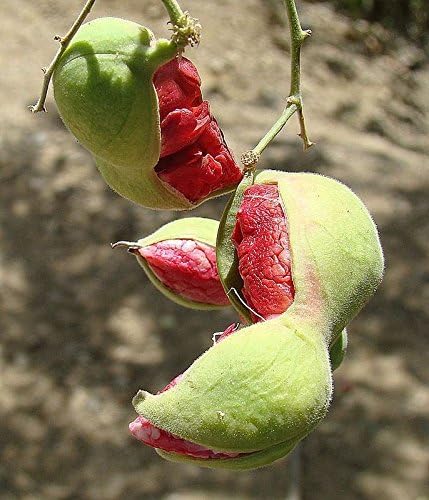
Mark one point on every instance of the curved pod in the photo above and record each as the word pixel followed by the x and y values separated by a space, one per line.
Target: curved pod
pixel 105 93
pixel 180 261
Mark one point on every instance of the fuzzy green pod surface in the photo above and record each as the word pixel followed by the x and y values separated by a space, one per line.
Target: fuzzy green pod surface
pixel 138 109
pixel 252 397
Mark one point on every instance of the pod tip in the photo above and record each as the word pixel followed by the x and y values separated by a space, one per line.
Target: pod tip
pixel 140 397
pixel 131 246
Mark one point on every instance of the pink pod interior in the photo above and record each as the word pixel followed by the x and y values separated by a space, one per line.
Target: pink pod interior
pixel 187 268
pixel 261 239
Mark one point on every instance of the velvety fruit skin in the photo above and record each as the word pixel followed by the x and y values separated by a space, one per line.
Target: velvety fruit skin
pixel 262 242
pixel 258 388
pixel 143 430
pixel 164 441
pixel 337 260
pixel 103 86
pixel 263 388
pixel 180 260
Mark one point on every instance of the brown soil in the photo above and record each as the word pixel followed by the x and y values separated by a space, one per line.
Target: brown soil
pixel 81 327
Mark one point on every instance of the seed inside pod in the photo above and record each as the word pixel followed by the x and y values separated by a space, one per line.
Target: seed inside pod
pixel 194 159
pixel 146 432
pixel 187 268
pixel 137 107
pixel 143 430
pixel 262 243
pixel 262 389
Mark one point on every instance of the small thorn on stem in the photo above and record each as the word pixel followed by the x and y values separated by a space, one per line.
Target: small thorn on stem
pixel 36 108
pixel 44 70
pixel 131 246
pixel 59 38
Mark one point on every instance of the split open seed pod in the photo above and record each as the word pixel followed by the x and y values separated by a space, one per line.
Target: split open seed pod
pixel 335 255
pixel 252 397
pixel 139 110
pixel 180 261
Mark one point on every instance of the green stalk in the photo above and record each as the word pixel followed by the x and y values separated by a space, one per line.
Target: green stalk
pixel 186 31
pixel 275 129
pixel 294 101
pixel 64 43
pixel 174 11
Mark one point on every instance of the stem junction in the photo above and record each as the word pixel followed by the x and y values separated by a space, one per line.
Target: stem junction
pixel 294 102
pixel 186 31
pixel 64 43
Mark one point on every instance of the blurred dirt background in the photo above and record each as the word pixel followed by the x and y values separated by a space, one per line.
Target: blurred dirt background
pixel 82 329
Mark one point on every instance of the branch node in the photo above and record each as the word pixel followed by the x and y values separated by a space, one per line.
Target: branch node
pixel 60 39
pixel 249 159
pixel 293 99
pixel 305 34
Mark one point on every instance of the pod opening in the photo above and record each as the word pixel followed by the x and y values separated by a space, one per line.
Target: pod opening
pixel 194 160
pixel 262 243
pixel 143 430
pixel 187 268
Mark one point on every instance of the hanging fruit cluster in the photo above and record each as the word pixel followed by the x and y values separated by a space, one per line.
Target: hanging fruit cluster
pixel 296 254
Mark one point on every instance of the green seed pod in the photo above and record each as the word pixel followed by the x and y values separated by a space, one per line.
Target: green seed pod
pixel 180 261
pixel 337 261
pixel 257 393
pixel 227 260
pixel 252 397
pixel 105 92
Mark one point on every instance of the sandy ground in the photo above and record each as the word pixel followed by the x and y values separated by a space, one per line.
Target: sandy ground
pixel 81 327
